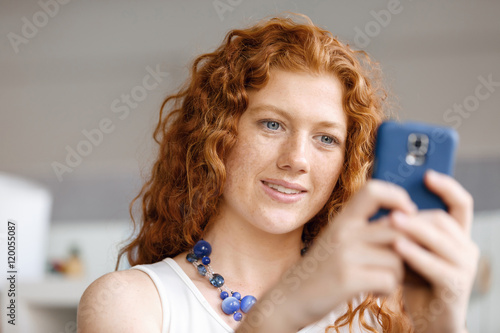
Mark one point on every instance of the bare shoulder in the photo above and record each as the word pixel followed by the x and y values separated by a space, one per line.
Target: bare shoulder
pixel 123 301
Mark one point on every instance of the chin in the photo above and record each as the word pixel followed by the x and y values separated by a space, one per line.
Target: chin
pixel 279 224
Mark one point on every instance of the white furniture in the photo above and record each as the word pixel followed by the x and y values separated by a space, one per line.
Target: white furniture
pixel 50 305
pixel 27 205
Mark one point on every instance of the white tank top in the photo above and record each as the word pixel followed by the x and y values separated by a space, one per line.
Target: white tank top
pixel 185 309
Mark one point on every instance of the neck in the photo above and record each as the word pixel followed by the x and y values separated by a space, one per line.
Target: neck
pixel 250 259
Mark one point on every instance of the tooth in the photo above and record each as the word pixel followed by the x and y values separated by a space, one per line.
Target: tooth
pixel 283 189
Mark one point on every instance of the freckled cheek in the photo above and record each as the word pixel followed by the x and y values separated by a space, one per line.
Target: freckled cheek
pixel 327 174
pixel 242 163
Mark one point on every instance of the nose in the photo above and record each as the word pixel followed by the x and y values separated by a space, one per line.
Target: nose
pixel 293 154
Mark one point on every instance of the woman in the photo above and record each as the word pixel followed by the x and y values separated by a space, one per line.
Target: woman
pixel 265 158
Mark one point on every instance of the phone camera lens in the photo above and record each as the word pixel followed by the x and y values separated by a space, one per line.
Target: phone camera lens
pixel 418 144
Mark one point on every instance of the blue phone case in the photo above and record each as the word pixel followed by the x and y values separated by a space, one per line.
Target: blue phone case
pixel 403 153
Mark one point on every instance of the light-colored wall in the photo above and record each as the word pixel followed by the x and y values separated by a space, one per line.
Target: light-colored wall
pixel 65 78
pixel 483 308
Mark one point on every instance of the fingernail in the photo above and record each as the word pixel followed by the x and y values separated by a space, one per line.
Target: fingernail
pixel 432 174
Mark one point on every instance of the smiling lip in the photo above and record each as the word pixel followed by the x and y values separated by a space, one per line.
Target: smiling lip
pixel 283 197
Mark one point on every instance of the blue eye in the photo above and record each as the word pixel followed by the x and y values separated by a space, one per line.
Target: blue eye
pixel 272 125
pixel 327 139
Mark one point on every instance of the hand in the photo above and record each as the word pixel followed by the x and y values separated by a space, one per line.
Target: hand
pixel 350 256
pixel 437 245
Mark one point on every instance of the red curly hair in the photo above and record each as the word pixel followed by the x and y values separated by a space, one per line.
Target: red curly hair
pixel 185 187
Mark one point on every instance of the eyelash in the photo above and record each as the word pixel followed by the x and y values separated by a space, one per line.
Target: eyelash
pixel 334 140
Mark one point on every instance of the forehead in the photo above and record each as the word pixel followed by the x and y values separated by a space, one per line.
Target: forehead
pixel 301 95
pixel 287 81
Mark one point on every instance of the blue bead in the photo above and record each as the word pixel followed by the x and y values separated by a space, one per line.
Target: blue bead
pixel 191 257
pixel 202 270
pixel 224 295
pixel 247 302
pixel 237 295
pixel 202 249
pixel 217 280
pixel 230 305
pixel 237 316
pixel 205 260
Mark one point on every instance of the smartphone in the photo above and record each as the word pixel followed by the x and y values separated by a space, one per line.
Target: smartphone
pixel 403 153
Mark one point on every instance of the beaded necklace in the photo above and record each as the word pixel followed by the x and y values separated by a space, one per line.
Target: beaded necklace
pixel 232 302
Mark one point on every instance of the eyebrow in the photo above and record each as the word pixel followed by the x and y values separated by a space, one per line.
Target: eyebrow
pixel 269 107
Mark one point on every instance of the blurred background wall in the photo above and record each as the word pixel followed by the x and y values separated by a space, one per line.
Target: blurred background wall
pixel 82 81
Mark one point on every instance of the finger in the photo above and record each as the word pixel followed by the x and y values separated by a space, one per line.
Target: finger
pixel 376 234
pixel 384 258
pixel 378 194
pixel 376 256
pixel 434 269
pixel 448 225
pixel 423 229
pixel 456 198
pixel 380 233
pixel 381 282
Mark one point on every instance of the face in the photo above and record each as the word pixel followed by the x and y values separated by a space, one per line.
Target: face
pixel 289 152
